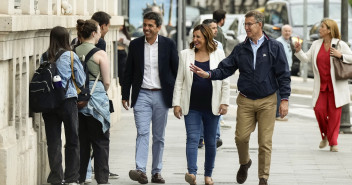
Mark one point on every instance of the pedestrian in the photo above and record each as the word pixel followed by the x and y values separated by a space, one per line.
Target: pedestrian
pixel 329 94
pixel 122 46
pixel 214 28
pixel 151 70
pixel 103 19
pixel 202 101
pixel 66 113
pixel 263 70
pixel 220 16
pixel 94 119
pixel 286 41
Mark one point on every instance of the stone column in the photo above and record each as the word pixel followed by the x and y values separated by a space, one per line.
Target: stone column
pixel 27 7
pixel 7 7
pixel 45 7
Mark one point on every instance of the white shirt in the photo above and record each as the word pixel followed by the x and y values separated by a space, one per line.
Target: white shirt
pixel 151 78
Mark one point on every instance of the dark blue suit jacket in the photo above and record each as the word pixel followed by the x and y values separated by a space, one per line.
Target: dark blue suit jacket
pixel 167 63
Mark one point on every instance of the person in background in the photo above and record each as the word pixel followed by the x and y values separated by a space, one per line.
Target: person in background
pixel 151 70
pixel 263 70
pixel 66 113
pixel 122 46
pixel 94 118
pixel 202 101
pixel 220 16
pixel 285 39
pixel 329 94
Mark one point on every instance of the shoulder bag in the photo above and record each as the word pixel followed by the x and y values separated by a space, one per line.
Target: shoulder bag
pixel 343 71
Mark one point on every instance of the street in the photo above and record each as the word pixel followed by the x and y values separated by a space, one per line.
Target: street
pixel 296 157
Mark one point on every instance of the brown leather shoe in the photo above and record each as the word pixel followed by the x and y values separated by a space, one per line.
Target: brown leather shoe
pixel 243 172
pixel 208 181
pixel 157 178
pixel 139 176
pixel 263 181
pixel 191 179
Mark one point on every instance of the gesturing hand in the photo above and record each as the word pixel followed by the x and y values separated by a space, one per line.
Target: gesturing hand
pixel 199 71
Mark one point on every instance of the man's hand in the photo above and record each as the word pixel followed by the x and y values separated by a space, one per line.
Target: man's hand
pixel 223 109
pixel 283 108
pixel 178 112
pixel 199 71
pixel 125 104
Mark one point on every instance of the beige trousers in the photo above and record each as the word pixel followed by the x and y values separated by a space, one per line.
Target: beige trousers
pixel 249 112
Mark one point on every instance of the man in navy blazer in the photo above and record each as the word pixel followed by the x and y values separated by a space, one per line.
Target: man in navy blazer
pixel 151 70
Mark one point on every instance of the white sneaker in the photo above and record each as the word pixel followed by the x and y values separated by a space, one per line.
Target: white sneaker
pixel 88 181
pixel 224 125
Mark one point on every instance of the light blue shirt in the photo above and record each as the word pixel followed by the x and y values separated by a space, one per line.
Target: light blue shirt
pixel 219 45
pixel 63 65
pixel 255 48
pixel 288 50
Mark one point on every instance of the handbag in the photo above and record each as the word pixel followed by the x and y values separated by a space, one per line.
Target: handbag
pixel 343 71
pixel 111 106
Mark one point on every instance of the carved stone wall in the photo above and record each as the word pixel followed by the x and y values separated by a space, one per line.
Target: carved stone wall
pixel 24 36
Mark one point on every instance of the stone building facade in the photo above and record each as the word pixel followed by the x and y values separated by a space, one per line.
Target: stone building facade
pixel 24 35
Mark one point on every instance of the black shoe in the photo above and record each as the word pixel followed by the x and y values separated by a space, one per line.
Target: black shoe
pixel 201 143
pixel 139 176
pixel 263 181
pixel 218 142
pixel 113 176
pixel 157 178
pixel 243 172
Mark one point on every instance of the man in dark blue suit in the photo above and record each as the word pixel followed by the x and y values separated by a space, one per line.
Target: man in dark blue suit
pixel 151 70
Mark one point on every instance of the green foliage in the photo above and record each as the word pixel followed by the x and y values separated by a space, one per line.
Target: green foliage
pixel 350 2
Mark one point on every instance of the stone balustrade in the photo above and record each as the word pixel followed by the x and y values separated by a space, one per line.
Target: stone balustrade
pixel 24 35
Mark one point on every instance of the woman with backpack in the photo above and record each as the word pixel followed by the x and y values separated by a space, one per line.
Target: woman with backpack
pixel 94 118
pixel 67 112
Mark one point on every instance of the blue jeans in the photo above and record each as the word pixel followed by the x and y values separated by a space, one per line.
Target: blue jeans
pixel 193 121
pixel 217 130
pixel 89 169
pixel 150 107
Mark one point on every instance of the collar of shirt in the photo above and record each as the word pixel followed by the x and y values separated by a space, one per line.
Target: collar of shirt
pixel 156 41
pixel 260 41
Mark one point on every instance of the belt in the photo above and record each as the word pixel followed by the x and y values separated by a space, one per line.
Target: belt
pixel 151 89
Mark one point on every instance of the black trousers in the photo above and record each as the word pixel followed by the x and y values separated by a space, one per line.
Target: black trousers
pixel 91 134
pixel 68 114
pixel 122 60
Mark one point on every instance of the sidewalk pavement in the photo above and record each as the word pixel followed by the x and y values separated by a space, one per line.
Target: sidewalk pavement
pixel 296 157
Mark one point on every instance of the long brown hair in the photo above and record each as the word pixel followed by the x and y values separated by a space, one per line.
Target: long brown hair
pixel 208 36
pixel 332 26
pixel 59 39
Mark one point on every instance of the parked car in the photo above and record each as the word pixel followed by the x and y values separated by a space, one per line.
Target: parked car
pixel 237 30
pixel 280 12
pixel 230 41
pixel 191 14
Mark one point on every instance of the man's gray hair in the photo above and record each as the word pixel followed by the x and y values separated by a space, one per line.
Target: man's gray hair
pixel 258 16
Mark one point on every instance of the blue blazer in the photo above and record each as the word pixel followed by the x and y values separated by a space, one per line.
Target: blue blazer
pixel 167 64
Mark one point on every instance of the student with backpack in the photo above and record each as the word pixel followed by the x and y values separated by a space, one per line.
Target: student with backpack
pixel 67 112
pixel 94 118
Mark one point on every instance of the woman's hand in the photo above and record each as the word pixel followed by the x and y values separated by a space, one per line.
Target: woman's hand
pixel 178 112
pixel 335 53
pixel 298 46
pixel 223 109
pixel 199 71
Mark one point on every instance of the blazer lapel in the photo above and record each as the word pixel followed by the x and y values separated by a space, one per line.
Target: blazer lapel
pixel 319 43
pixel 141 57
pixel 161 53
pixel 212 63
pixel 192 58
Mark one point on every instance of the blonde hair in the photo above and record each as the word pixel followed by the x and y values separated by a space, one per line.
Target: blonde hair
pixel 208 36
pixel 332 26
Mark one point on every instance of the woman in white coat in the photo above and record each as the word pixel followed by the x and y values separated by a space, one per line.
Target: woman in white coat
pixel 202 101
pixel 329 94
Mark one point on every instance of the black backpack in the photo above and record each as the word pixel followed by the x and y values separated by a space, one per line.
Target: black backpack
pixel 43 97
pixel 84 92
